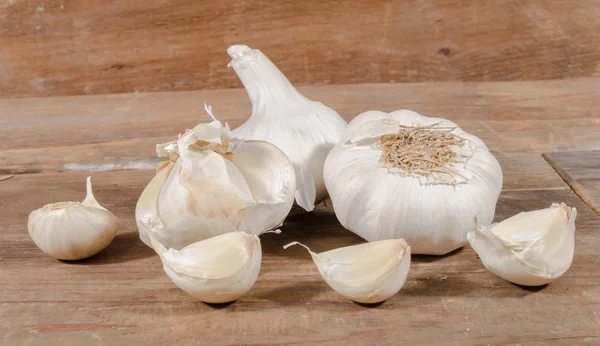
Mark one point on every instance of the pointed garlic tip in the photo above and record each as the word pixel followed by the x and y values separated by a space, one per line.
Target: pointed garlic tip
pixel 239 51
pixel 277 231
pixel 530 248
pixel 208 109
pixel 366 273
pixel 73 230
pixel 296 243
pixel 90 199
pixel 216 270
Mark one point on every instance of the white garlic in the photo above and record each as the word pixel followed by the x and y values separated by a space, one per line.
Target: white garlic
pixel 303 129
pixel 366 273
pixel 531 248
pixel 216 270
pixel 404 175
pixel 73 230
pixel 215 184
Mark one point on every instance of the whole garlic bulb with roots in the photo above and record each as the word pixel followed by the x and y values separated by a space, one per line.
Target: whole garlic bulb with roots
pixel 73 230
pixel 303 129
pixel 213 184
pixel 404 175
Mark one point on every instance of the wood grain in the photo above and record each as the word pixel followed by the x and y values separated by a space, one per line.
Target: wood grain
pixel 59 47
pixel 122 296
pixel 581 170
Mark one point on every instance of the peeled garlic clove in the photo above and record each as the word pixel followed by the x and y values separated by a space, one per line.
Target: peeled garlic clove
pixel 366 273
pixel 303 129
pixel 404 175
pixel 215 184
pixel 73 230
pixel 216 270
pixel 531 248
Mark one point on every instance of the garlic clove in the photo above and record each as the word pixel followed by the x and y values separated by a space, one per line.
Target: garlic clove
pixel 306 193
pixel 215 184
pixel 432 210
pixel 73 230
pixel 530 248
pixel 271 179
pixel 146 211
pixel 366 273
pixel 303 129
pixel 216 270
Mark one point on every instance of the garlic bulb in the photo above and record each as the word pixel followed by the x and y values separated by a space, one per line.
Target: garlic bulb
pixel 531 248
pixel 366 273
pixel 214 184
pixel 404 175
pixel 303 129
pixel 216 270
pixel 73 230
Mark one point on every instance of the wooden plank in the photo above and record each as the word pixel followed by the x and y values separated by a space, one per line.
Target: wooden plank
pixel 123 296
pixel 581 170
pixel 521 170
pixel 538 116
pixel 57 47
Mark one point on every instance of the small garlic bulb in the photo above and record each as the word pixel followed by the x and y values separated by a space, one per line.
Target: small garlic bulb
pixel 214 184
pixel 303 129
pixel 531 248
pixel 404 175
pixel 216 270
pixel 366 273
pixel 73 230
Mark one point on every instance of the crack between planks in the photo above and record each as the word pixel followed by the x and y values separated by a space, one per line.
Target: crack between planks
pixel 575 186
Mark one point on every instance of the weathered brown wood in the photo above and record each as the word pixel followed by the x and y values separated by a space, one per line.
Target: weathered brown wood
pixel 122 295
pixel 539 116
pixel 581 170
pixel 57 47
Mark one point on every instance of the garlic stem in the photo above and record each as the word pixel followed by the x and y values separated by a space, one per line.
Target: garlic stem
pixel 90 199
pixel 263 81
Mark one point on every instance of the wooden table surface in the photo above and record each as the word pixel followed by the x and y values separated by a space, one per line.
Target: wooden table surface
pixel 122 296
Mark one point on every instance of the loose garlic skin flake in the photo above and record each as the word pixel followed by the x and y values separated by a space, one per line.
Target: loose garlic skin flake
pixel 303 129
pixel 366 273
pixel 215 184
pixel 216 270
pixel 383 186
pixel 531 248
pixel 73 230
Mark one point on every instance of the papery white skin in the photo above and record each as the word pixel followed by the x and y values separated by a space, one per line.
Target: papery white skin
pixel 379 203
pixel 366 273
pixel 73 230
pixel 216 270
pixel 531 248
pixel 303 129
pixel 205 192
